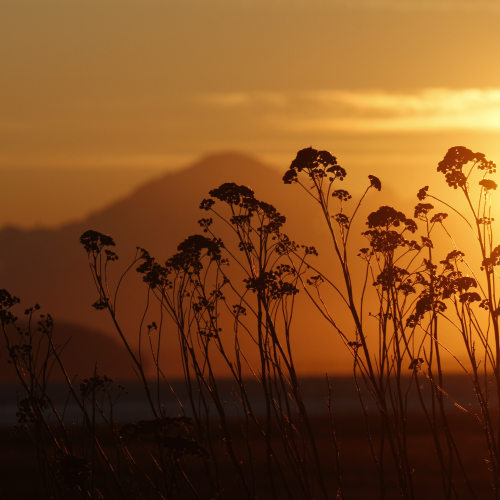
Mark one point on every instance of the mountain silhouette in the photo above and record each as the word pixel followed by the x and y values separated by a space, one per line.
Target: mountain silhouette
pixel 49 266
pixel 82 349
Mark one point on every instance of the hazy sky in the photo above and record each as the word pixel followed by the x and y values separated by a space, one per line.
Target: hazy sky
pixel 148 85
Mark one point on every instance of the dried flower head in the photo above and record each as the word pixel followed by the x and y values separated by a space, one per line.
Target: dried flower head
pixel 422 209
pixel 316 164
pixel 454 161
pixel 375 182
pixel 488 184
pixel 422 194
pixel 341 194
pixel 94 241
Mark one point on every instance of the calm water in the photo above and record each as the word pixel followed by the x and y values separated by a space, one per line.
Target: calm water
pixel 133 406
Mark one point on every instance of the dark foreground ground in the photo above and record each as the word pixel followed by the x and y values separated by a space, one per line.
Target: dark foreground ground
pixel 20 479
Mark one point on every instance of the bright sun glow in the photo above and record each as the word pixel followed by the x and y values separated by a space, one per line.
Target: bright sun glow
pixel 432 109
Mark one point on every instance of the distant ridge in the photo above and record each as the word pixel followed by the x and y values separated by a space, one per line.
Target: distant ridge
pixel 48 266
pixel 83 348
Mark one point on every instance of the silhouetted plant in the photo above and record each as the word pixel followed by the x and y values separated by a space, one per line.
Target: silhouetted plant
pixel 221 295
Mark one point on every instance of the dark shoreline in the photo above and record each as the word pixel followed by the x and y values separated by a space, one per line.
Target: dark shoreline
pixel 20 479
pixel 345 399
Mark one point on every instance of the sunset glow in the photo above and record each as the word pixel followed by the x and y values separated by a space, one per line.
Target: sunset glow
pixel 98 99
pixel 249 249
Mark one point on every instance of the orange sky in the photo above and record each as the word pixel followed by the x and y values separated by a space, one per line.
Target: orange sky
pixel 129 88
pixel 97 96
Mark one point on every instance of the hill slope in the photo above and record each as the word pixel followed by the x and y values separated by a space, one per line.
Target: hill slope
pixel 49 266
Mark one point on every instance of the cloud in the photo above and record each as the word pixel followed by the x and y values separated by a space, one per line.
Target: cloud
pixel 158 162
pixel 246 99
pixel 433 109
pixel 423 101
pixel 393 5
pixel 424 110
pixel 423 5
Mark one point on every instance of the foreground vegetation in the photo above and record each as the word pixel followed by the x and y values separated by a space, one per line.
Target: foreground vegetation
pixel 218 296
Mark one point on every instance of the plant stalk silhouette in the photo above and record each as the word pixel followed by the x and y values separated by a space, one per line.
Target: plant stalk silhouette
pixel 217 296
